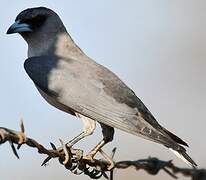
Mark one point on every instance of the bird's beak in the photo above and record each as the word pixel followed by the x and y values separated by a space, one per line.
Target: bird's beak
pixel 19 27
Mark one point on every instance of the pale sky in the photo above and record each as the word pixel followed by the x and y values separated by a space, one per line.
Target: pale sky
pixel 156 47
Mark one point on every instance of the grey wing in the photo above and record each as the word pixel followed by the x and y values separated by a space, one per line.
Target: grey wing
pixel 93 91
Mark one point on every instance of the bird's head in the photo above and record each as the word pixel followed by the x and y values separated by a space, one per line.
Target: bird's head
pixel 40 27
pixel 38 22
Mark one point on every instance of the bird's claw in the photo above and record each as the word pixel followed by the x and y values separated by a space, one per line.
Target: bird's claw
pixel 89 157
pixel 78 154
pixel 21 135
pixel 67 153
pixel 110 161
pixel 2 136
pixel 22 138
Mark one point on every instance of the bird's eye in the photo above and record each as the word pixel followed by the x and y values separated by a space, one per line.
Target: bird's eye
pixel 36 21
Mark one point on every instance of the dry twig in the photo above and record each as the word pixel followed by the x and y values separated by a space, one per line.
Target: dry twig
pixel 73 159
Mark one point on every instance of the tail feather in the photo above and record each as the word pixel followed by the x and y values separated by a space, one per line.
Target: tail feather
pixel 163 136
pixel 181 151
pixel 175 138
pixel 184 156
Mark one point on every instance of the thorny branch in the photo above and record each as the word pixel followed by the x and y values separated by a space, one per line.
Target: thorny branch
pixel 73 159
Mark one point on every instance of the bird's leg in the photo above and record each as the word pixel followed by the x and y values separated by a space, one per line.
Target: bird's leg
pixel 108 133
pixel 88 128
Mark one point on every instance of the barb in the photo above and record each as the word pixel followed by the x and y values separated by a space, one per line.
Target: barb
pixel 73 159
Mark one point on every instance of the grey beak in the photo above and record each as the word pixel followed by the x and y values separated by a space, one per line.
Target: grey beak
pixel 19 27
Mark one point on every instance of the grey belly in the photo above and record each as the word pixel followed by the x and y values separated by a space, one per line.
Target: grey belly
pixel 55 103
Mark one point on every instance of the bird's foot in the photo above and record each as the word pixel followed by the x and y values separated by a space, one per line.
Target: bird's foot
pixel 21 135
pixel 22 138
pixel 89 157
pixel 109 160
pixel 77 154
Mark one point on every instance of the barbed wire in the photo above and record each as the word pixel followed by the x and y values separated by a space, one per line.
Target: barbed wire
pixel 74 160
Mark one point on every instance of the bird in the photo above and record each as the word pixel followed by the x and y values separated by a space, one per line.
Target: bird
pixel 74 83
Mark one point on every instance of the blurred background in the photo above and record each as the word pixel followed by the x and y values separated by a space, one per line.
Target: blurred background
pixel 156 47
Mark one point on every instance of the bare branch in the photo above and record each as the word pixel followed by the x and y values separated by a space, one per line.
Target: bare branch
pixel 73 159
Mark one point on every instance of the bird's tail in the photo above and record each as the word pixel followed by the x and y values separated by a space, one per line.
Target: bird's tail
pixel 184 156
pixel 179 150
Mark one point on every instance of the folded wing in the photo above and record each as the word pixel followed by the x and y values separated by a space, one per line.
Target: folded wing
pixel 93 91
